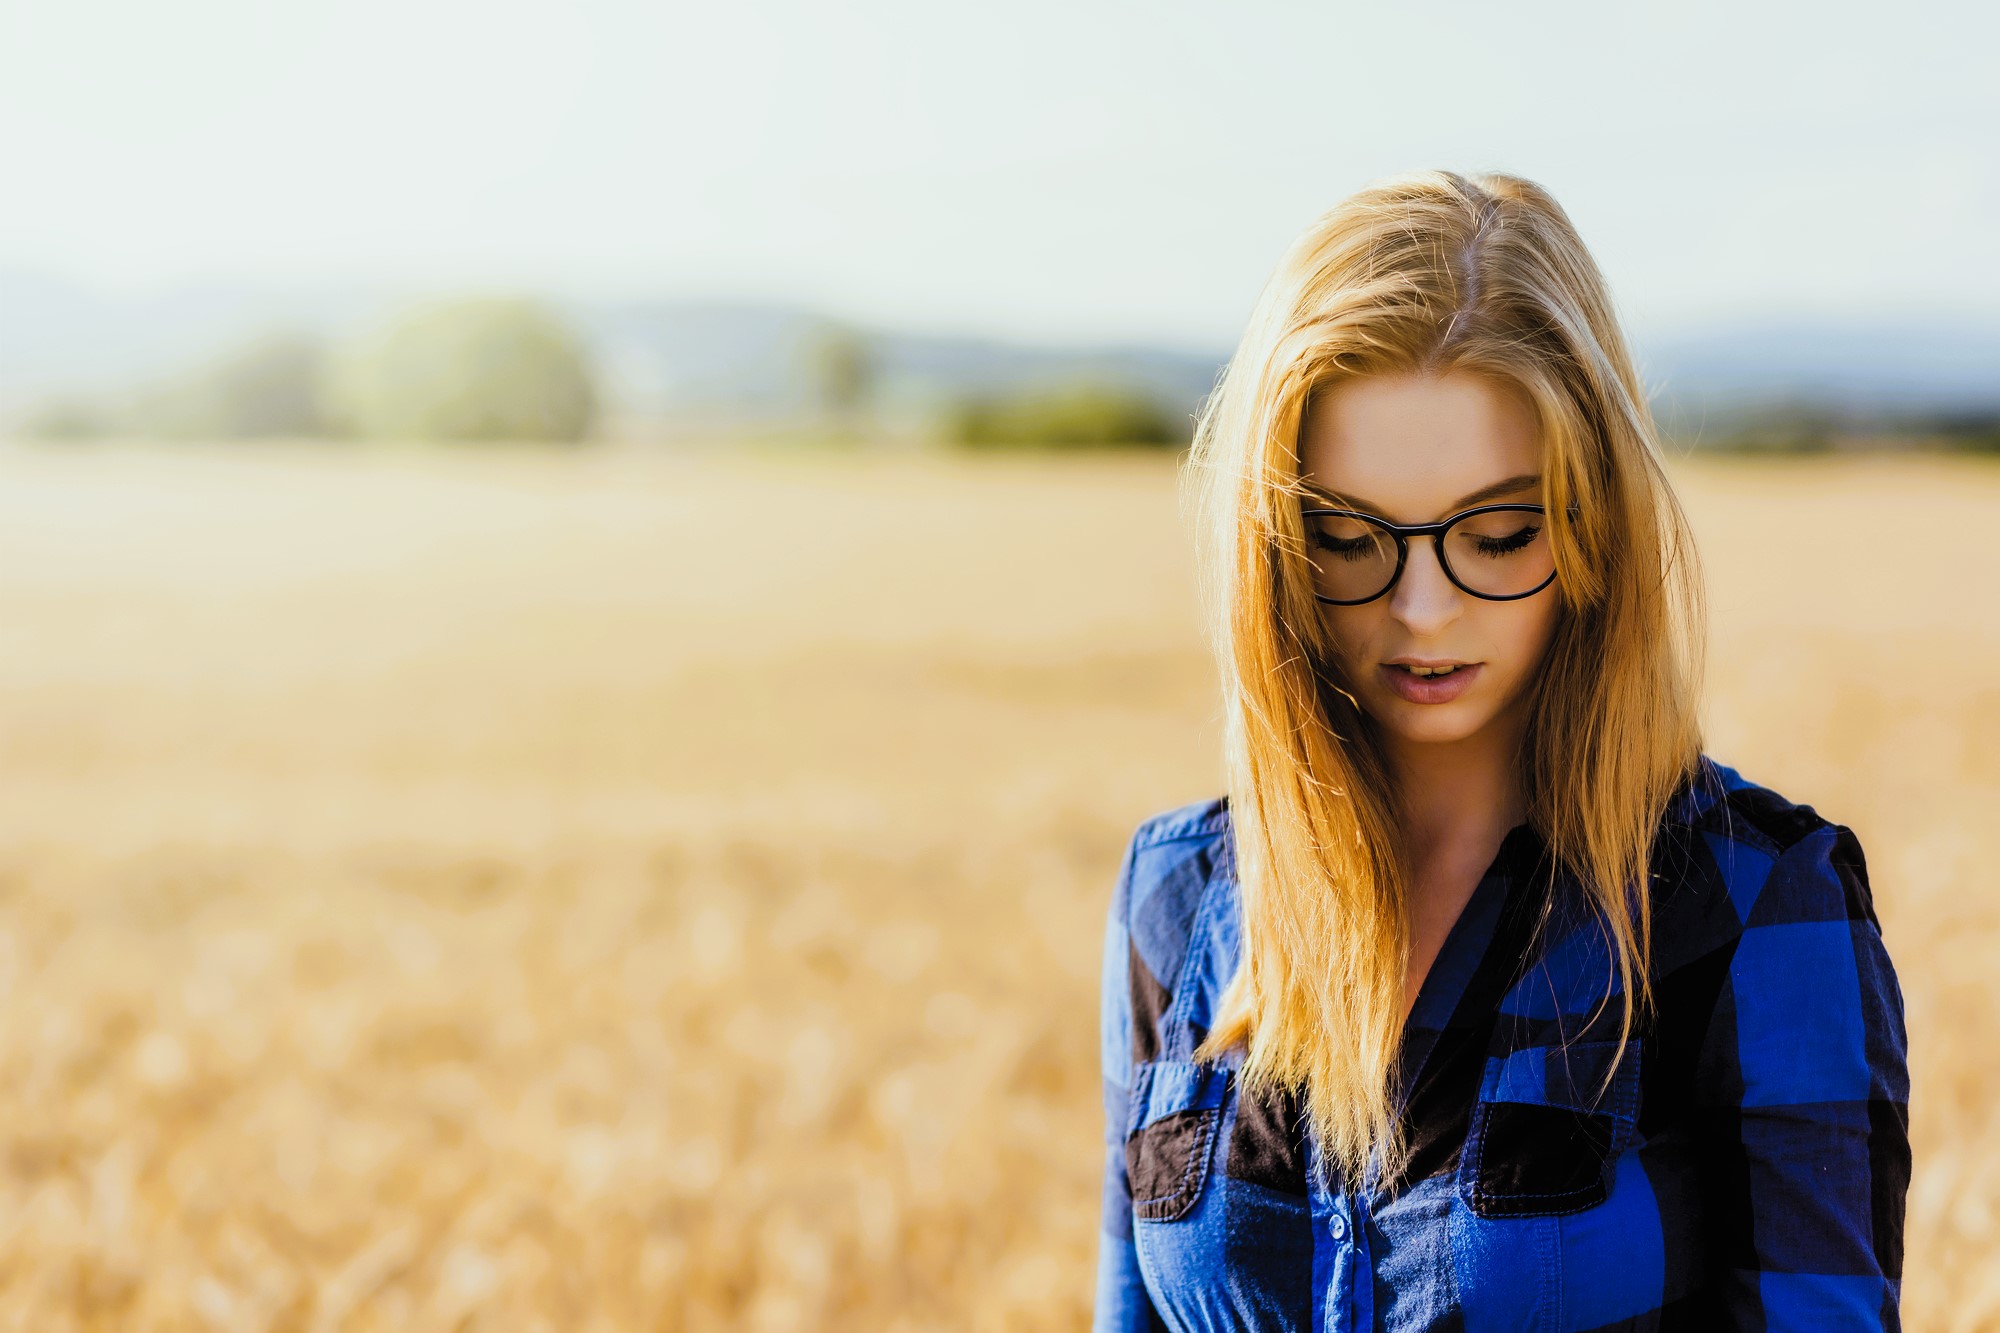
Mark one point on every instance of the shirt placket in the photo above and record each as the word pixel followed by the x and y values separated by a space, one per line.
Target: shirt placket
pixel 1343 1260
pixel 1343 1268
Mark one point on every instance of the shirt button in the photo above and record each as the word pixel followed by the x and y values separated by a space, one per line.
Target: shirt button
pixel 1338 1226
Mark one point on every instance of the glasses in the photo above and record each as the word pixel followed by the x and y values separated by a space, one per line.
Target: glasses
pixel 1499 552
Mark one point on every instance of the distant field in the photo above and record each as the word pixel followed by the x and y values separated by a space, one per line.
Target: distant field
pixel 573 893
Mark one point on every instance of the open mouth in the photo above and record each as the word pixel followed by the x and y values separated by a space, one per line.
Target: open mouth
pixel 1430 684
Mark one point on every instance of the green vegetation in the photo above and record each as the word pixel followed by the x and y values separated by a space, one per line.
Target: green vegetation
pixel 839 368
pixel 1777 431
pixel 1086 414
pixel 1807 430
pixel 70 419
pixel 486 369
pixel 1977 432
pixel 836 364
pixel 267 388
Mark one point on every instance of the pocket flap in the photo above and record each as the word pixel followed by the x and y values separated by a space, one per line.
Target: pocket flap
pixel 1177 1107
pixel 1164 1087
pixel 1549 1126
pixel 1583 1076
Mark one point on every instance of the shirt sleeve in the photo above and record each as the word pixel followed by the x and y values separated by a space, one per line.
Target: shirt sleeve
pixel 1805 1100
pixel 1122 1302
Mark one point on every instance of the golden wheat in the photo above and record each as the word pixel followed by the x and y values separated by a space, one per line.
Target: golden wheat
pixel 528 891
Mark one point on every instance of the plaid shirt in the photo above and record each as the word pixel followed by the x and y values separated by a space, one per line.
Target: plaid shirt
pixel 1745 1170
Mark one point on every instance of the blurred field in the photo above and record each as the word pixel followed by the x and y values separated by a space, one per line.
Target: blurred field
pixel 544 892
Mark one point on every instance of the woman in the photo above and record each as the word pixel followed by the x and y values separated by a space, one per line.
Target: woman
pixel 1484 998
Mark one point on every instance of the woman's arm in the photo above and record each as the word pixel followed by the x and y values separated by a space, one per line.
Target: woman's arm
pixel 1123 1305
pixel 1805 1097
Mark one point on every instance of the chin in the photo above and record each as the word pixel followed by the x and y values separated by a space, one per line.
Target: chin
pixel 1432 724
pixel 1435 735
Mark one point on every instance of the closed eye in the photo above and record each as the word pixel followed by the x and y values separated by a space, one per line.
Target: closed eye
pixel 1351 548
pixel 1500 546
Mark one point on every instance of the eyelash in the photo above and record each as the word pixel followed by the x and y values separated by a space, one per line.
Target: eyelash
pixel 1346 550
pixel 1353 548
pixel 1507 545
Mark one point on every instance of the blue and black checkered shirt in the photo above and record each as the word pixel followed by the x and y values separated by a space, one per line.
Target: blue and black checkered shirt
pixel 1746 1168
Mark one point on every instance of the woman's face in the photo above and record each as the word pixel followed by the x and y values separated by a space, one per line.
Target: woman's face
pixel 1418 449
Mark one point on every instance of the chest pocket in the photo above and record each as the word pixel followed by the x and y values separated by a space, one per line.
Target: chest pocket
pixel 1546 1132
pixel 1176 1111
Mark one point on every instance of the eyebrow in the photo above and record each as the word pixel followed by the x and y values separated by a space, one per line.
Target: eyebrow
pixel 1499 488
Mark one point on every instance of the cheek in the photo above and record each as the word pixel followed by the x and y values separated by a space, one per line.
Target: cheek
pixel 1351 630
pixel 1525 636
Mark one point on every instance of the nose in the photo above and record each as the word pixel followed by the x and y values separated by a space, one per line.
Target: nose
pixel 1424 599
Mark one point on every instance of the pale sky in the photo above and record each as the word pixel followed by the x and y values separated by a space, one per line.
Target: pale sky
pixel 1042 168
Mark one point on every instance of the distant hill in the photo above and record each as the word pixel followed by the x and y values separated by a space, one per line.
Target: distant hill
pixel 1890 371
pixel 59 337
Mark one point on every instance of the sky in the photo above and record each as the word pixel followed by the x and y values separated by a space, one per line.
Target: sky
pixel 1043 169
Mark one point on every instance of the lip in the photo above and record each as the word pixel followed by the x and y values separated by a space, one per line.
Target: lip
pixel 1419 691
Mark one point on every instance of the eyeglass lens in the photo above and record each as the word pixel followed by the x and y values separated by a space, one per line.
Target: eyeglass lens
pixel 1503 553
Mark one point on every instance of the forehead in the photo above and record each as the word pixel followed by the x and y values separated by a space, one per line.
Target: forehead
pixel 1411 445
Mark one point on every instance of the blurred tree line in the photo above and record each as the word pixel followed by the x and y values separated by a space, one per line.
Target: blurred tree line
pixel 1792 427
pixel 505 368
pixel 512 369
pixel 843 372
pixel 475 369
pixel 1068 415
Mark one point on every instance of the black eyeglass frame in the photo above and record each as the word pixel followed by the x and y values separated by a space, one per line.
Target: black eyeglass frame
pixel 1402 532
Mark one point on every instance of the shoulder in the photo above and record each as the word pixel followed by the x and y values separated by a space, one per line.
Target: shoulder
pixel 1772 955
pixel 1742 868
pixel 1170 861
pixel 1170 857
pixel 1171 850
pixel 1195 822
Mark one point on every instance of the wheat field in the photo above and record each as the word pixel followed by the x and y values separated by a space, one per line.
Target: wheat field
pixel 604 891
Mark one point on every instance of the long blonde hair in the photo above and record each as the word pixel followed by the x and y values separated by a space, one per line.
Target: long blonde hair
pixel 1431 272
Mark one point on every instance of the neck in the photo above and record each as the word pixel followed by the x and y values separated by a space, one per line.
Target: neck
pixel 1458 792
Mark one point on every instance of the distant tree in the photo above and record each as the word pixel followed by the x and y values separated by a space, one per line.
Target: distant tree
pixel 1782 428
pixel 269 387
pixel 68 419
pixel 840 369
pixel 1076 415
pixel 477 369
pixel 1973 429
